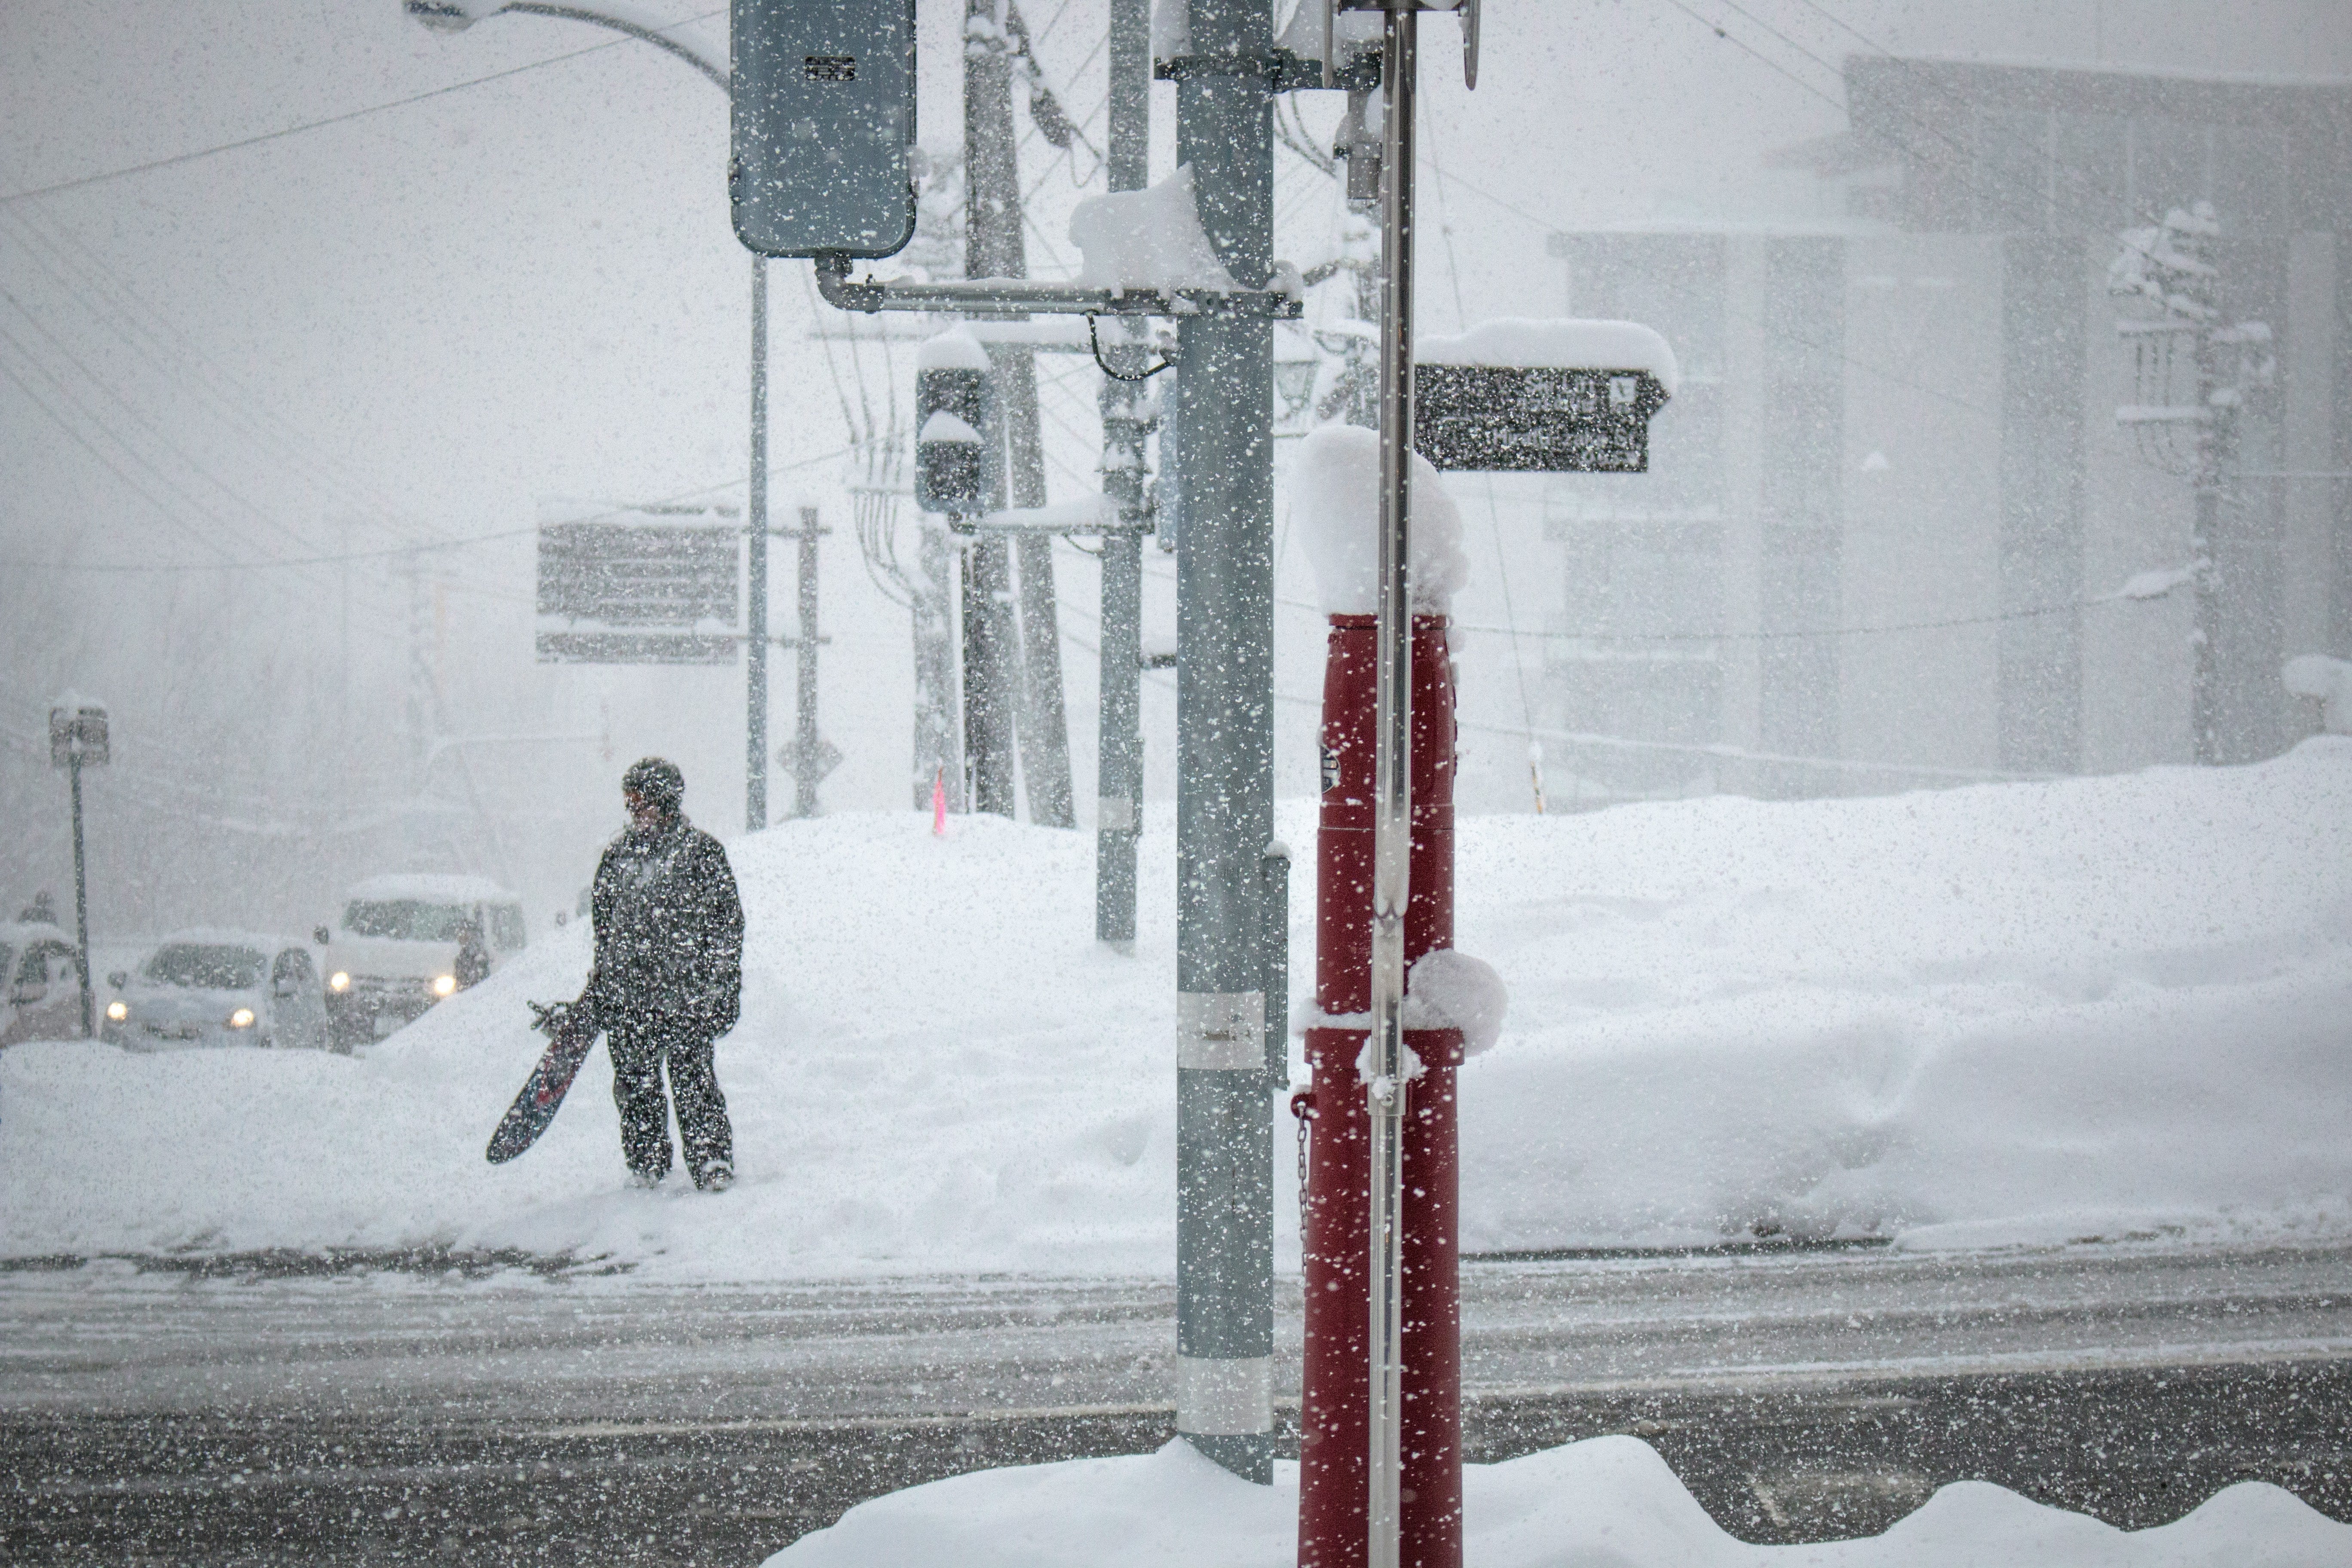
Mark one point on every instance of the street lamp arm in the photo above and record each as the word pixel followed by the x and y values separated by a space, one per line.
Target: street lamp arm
pixel 456 16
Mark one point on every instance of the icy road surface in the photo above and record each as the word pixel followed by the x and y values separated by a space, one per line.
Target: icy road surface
pixel 1799 1394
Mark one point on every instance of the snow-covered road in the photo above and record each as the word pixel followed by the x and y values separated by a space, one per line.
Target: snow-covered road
pixel 606 1353
pixel 1799 1394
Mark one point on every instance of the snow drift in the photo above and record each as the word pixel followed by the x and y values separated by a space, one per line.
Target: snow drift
pixel 2013 1013
pixel 1610 1502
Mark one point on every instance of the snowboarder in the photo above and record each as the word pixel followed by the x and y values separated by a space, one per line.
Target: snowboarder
pixel 668 979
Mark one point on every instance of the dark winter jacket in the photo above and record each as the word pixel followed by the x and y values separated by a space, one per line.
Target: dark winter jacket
pixel 669 932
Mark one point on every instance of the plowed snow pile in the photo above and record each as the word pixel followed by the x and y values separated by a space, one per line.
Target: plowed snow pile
pixel 2109 1008
pixel 1610 1502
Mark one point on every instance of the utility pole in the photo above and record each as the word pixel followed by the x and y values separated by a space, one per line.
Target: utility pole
pixel 755 717
pixel 1224 723
pixel 1013 672
pixel 2166 263
pixel 991 238
pixel 1127 423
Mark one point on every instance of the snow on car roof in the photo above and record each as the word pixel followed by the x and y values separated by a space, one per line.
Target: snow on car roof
pixel 429 887
pixel 228 936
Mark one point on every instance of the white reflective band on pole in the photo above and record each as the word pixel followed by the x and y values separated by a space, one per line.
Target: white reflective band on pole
pixel 1220 1030
pixel 1114 814
pixel 1391 799
pixel 1224 1398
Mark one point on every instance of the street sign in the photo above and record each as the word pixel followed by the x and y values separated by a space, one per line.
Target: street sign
pixel 76 735
pixel 653 585
pixel 823 120
pixel 1529 396
pixel 1522 419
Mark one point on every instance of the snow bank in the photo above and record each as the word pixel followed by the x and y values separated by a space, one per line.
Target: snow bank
pixel 1609 1502
pixel 2012 1013
pixel 1526 342
pixel 1336 501
pixel 1150 238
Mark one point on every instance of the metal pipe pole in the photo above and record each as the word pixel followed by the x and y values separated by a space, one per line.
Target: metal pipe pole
pixel 804 736
pixel 1391 792
pixel 1119 777
pixel 81 903
pixel 1225 736
pixel 755 716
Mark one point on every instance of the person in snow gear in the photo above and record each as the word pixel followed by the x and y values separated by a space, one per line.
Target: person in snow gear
pixel 473 966
pixel 668 979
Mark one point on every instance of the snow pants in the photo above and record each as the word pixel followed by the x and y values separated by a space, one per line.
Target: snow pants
pixel 639 1053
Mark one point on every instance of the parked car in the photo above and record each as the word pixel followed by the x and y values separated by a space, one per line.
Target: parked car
pixel 43 974
pixel 219 988
pixel 398 947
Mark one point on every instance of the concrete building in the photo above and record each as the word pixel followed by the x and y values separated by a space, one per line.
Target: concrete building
pixel 1891 508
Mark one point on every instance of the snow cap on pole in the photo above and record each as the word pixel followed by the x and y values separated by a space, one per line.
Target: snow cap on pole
pixel 1336 494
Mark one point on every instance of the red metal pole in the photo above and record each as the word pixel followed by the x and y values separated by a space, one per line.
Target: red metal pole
pixel 1332 1493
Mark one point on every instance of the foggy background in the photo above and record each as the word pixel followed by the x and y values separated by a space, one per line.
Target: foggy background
pixel 275 421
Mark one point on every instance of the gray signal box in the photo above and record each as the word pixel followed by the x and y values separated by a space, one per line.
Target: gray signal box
pixel 824 96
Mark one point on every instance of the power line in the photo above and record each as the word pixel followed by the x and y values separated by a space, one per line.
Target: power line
pixel 149 334
pixel 428 548
pixel 342 119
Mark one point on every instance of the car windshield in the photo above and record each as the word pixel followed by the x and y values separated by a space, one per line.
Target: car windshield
pixel 201 965
pixel 406 920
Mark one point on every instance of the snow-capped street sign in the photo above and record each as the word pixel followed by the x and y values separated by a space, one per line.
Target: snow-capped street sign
pixel 76 733
pixel 656 584
pixel 825 114
pixel 1546 397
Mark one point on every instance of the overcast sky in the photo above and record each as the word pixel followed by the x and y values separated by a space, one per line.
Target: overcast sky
pixel 415 322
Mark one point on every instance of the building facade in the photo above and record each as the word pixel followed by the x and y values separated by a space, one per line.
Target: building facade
pixel 1892 514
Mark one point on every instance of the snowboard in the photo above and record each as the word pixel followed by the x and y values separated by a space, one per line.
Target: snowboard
pixel 569 1037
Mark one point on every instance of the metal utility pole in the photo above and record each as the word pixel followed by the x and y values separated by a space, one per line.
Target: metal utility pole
pixel 999 692
pixel 755 716
pixel 1126 424
pixel 1224 723
pixel 1392 791
pixel 812 758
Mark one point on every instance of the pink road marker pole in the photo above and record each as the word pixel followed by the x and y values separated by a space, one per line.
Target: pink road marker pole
pixel 939 804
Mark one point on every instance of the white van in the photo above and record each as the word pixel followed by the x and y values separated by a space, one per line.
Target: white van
pixel 396 950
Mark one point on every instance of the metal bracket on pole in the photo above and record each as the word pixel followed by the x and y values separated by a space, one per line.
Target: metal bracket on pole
pixel 1022 296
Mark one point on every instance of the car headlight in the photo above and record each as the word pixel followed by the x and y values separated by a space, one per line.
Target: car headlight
pixel 338 981
pixel 241 1019
pixel 445 985
pixel 117 1010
